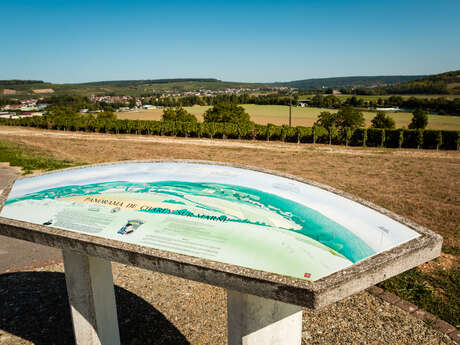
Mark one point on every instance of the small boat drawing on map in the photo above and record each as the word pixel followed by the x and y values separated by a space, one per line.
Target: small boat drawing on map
pixel 130 226
pixel 49 222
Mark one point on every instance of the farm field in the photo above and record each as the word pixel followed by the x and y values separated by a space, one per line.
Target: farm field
pixel 422 185
pixel 279 115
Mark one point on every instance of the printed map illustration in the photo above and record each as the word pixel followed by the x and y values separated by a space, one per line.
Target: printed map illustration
pixel 231 215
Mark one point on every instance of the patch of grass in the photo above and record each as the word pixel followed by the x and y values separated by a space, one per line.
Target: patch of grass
pixel 451 250
pixel 437 293
pixel 30 159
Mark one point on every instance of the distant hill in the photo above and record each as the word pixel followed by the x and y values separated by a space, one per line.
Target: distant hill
pixel 444 83
pixel 124 83
pixel 15 82
pixel 119 87
pixel 447 77
pixel 350 82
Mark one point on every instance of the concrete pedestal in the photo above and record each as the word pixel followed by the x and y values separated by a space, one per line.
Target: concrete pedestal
pixel 92 299
pixel 255 320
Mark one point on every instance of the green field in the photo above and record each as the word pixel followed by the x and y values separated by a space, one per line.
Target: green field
pixel 29 160
pixel 279 115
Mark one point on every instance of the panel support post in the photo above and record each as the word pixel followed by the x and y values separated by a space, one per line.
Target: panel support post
pixel 92 299
pixel 256 320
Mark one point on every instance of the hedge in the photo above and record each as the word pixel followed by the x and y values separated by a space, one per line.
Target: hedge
pixel 372 137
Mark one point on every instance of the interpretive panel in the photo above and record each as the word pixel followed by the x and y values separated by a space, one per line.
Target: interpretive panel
pixel 226 214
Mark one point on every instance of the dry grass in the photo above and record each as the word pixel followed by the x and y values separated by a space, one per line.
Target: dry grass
pixel 9 92
pixel 43 91
pixel 279 115
pixel 419 184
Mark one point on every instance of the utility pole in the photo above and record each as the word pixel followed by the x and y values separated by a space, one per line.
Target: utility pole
pixel 290 111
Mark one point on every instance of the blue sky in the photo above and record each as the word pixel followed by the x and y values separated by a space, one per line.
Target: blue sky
pixel 77 41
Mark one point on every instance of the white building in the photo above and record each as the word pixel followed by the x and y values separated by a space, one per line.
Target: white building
pixel 388 109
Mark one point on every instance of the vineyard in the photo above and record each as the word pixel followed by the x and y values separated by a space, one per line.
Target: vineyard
pixel 372 137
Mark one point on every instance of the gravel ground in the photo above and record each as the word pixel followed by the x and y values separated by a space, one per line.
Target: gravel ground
pixel 158 309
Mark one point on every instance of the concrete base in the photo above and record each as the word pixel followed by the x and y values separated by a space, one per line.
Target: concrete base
pixel 92 299
pixel 255 320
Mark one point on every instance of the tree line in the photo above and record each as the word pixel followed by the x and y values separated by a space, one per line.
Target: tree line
pixel 372 137
pixel 20 82
pixel 409 88
pixel 188 101
pixel 229 120
pixel 439 105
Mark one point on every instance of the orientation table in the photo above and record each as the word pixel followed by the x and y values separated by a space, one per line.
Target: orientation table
pixel 274 241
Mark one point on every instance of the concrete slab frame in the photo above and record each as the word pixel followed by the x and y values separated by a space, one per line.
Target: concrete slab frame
pixel 91 298
pixel 256 320
pixel 266 299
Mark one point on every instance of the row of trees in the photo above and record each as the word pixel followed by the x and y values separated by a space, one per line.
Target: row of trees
pixel 439 105
pixel 75 102
pixel 232 113
pixel 353 118
pixel 374 137
pixel 346 117
pixel 188 101
pixel 424 87
pixel 383 120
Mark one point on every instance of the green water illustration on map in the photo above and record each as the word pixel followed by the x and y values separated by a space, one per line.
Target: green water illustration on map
pixel 238 220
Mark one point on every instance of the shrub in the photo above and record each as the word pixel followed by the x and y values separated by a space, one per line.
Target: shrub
pixel 260 132
pixel 322 135
pixel 346 134
pixel 375 137
pixel 419 119
pixel 450 140
pixel 413 138
pixel 326 119
pixel 291 134
pixel 392 137
pixel 333 134
pixel 269 131
pixel 178 114
pixel 226 112
pixel 432 139
pixel 304 134
pixel 349 117
pixel 283 132
pixel 246 130
pixel 401 138
pixel 382 120
pixel 277 132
